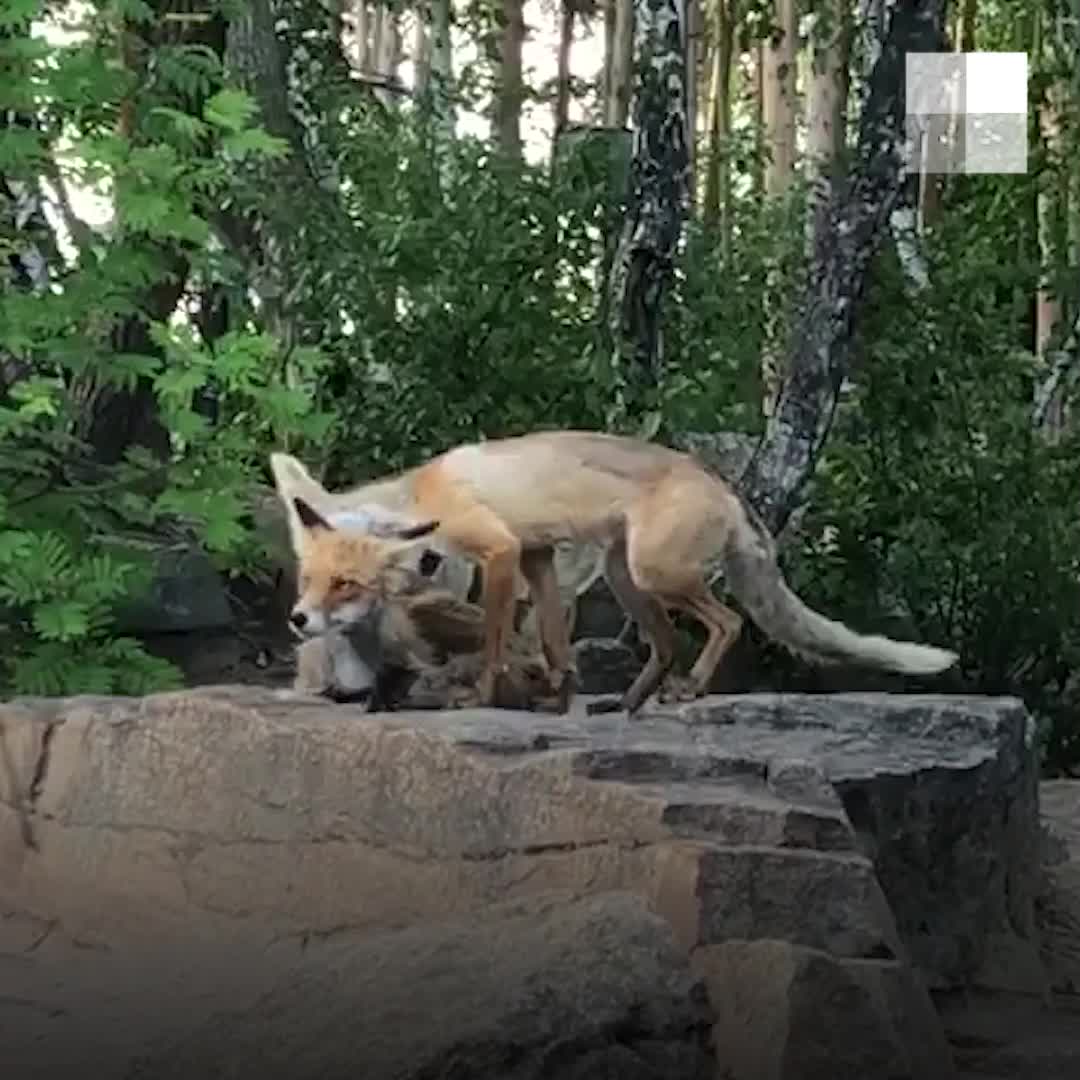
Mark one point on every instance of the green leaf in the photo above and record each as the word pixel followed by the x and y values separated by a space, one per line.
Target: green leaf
pixel 14 13
pixel 61 620
pixel 187 126
pixel 255 143
pixel 231 109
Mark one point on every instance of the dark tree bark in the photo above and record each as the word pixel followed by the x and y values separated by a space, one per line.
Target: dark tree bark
pixel 32 246
pixel 509 92
pixel 846 238
pixel 656 203
pixel 562 77
pixel 264 237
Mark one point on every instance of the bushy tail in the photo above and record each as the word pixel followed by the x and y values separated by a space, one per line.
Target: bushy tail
pixel 754 578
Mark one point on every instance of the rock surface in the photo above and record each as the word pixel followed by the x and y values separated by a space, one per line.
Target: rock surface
pixel 551 987
pixel 1059 906
pixel 186 592
pixel 234 815
pixel 1025 1036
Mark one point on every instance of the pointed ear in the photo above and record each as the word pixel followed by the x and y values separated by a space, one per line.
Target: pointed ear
pixel 414 532
pixel 309 517
pixel 293 481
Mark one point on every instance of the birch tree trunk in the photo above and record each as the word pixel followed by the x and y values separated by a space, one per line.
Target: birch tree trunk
pixel 29 242
pixel 362 22
pixel 421 52
pixel 378 25
pixel 848 235
pixel 509 86
pixel 388 57
pixel 443 113
pixel 827 94
pixel 778 120
pixel 904 222
pixel 622 65
pixel 778 102
pixel 610 14
pixel 655 206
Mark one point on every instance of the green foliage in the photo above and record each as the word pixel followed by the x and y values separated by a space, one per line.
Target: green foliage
pixel 938 510
pixel 224 400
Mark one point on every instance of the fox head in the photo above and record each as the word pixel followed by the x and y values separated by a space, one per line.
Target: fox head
pixel 344 574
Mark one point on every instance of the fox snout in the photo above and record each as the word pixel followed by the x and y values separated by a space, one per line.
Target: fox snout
pixel 307 620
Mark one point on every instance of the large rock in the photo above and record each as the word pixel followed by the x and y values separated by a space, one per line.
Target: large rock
pixel 783 1011
pixel 232 813
pixel 1059 902
pixel 186 592
pixel 551 987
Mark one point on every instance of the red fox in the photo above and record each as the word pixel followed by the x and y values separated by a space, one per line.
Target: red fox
pixel 660 517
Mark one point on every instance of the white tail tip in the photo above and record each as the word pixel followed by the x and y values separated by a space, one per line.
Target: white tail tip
pixel 911 659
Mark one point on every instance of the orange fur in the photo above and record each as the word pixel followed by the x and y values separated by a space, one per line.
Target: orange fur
pixel 662 519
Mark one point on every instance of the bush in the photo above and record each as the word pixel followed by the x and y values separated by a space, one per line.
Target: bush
pixel 937 507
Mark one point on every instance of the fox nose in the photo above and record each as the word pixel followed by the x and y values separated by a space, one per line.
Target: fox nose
pixel 298 619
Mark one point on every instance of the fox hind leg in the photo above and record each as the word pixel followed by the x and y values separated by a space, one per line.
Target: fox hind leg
pixel 670 536
pixel 655 626
pixel 723 627
pixel 538 569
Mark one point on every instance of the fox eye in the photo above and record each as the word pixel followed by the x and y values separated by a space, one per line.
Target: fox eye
pixel 343 583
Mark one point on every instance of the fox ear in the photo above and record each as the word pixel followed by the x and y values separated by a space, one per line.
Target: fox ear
pixel 414 532
pixel 294 482
pixel 309 517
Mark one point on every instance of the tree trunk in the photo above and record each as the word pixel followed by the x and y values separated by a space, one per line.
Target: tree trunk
pixel 904 222
pixel 693 82
pixel 778 115
pixel 845 242
pixel 421 52
pixel 509 89
pixel 378 28
pixel 609 58
pixel 778 103
pixel 1053 234
pixel 622 65
pixel 562 78
pixel 717 208
pixel 658 193
pixel 254 58
pixel 966 37
pixel 388 57
pixel 29 242
pixel 363 34
pixel 442 86
pixel 826 99
pixel 758 79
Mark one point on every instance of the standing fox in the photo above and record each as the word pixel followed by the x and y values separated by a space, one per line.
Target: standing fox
pixel 661 519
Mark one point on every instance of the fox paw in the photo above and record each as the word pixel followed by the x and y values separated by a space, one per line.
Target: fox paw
pixel 678 688
pixel 463 697
pixel 563 686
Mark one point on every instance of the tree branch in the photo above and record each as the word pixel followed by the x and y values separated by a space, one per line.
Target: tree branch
pixel 847 236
